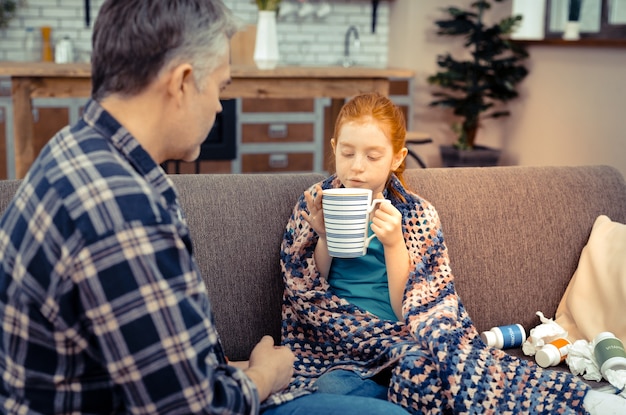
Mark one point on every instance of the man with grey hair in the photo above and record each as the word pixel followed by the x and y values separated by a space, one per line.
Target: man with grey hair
pixel 102 305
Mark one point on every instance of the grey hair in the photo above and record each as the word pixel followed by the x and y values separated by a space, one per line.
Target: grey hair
pixel 134 40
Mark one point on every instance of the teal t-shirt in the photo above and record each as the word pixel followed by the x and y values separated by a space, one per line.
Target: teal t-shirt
pixel 363 280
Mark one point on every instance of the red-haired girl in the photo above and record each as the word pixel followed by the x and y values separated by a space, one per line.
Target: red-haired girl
pixel 390 324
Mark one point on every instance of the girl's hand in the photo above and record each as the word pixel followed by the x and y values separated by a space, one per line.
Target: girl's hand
pixel 387 224
pixel 315 217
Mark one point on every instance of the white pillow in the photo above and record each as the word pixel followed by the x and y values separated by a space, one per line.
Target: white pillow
pixel 595 299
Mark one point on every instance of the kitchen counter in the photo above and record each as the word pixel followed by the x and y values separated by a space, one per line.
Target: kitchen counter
pixel 51 80
pixel 59 80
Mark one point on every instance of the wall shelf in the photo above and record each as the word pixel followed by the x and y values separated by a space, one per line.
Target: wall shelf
pixel 608 43
pixel 604 32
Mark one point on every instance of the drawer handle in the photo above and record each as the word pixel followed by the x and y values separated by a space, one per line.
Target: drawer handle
pixel 278 161
pixel 277 130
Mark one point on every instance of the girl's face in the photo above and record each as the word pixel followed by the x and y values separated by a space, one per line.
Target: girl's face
pixel 364 156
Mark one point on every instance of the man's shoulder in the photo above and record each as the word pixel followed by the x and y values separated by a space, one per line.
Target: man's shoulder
pixel 95 187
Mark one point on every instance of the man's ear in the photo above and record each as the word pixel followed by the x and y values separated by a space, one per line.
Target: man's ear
pixel 180 81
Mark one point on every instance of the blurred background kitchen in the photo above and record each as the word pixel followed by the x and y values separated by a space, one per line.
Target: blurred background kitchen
pixel 570 110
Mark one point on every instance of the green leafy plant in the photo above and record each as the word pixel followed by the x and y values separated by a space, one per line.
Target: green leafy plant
pixel 7 12
pixel 472 87
pixel 268 4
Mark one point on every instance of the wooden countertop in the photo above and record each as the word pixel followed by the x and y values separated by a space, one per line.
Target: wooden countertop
pixel 83 70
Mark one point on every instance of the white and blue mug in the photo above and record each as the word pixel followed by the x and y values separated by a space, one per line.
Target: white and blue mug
pixel 347 216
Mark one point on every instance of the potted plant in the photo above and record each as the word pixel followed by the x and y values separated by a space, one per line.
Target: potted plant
pixel 268 5
pixel 477 87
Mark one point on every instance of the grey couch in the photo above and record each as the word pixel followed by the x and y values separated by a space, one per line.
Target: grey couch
pixel 514 236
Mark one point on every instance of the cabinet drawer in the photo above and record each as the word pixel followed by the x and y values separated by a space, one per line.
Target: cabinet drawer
pixel 400 87
pixel 277 105
pixel 276 162
pixel 48 121
pixel 276 132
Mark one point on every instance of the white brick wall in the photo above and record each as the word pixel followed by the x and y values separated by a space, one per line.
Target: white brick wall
pixel 308 41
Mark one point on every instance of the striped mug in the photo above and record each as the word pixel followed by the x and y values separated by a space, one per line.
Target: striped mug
pixel 347 216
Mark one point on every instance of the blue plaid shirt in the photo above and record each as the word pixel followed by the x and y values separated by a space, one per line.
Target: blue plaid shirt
pixel 102 306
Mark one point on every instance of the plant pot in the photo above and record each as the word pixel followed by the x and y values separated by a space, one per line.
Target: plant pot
pixel 480 156
pixel 266 45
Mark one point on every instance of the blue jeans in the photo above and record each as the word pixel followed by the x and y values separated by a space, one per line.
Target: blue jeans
pixel 331 404
pixel 341 392
pixel 347 382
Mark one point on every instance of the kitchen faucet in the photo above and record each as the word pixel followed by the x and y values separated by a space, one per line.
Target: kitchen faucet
pixel 346 48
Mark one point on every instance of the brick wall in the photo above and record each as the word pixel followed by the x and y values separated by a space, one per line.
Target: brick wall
pixel 309 40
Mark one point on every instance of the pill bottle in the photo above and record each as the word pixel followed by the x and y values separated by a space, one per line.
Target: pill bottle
pixel 609 352
pixel 504 337
pixel 553 353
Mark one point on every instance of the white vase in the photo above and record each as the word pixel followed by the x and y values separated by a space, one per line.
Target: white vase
pixel 266 46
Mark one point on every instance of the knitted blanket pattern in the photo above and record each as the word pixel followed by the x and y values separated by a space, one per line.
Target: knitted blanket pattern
pixel 438 363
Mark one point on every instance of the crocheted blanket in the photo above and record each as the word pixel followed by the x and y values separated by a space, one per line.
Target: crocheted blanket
pixel 438 363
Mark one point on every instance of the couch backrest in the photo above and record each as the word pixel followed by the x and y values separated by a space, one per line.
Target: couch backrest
pixel 514 236
pixel 237 224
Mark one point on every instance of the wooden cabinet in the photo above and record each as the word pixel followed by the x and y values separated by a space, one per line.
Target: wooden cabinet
pixel 48 121
pixel 401 93
pixel 45 79
pixel 273 136
pixel 288 135
pixel 280 135
pixel 49 116
pixel 277 162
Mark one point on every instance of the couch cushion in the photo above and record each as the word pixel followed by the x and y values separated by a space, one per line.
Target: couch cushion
pixel 595 299
pixel 237 224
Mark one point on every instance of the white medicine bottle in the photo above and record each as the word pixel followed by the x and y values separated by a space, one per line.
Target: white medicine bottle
pixel 609 352
pixel 553 353
pixel 504 337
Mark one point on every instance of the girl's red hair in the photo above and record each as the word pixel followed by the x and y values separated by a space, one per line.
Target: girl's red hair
pixel 389 118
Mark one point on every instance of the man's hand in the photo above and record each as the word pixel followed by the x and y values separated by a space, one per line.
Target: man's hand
pixel 240 364
pixel 270 367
